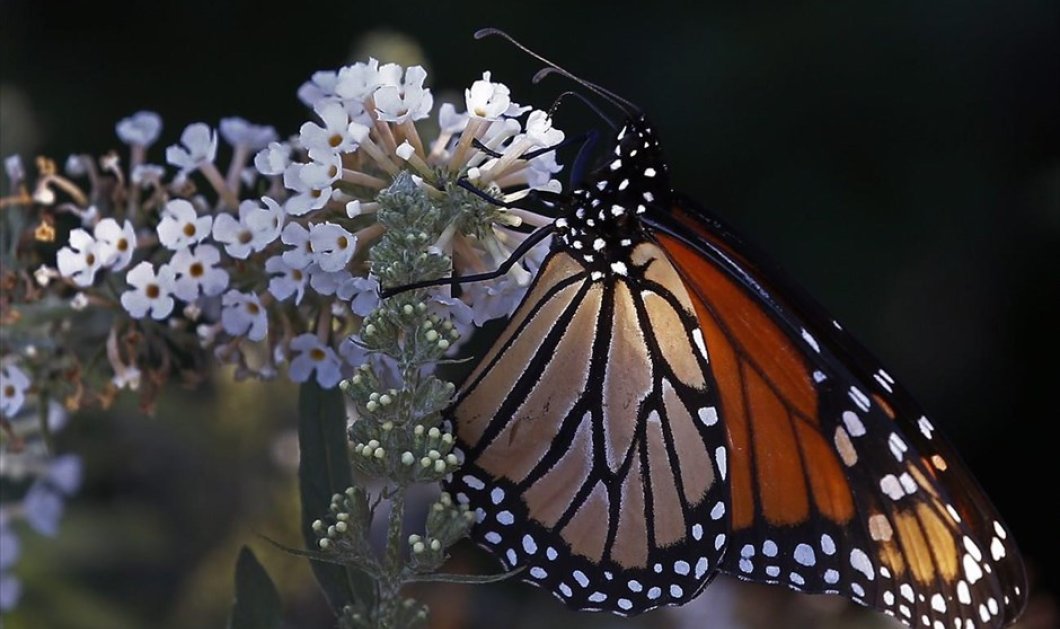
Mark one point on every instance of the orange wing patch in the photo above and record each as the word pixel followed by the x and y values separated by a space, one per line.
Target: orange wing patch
pixel 768 401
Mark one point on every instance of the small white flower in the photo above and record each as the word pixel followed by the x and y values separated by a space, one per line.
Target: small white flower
pixel 322 172
pixel 542 167
pixel 13 386
pixel 539 130
pixel 449 121
pixel 151 293
pixel 358 82
pixel 285 280
pixel 266 222
pixel 79 302
pixel 252 231
pixel 338 135
pixel 311 355
pixel 181 226
pixel 128 378
pixel 362 293
pixel 200 146
pixel 239 132
pixel 319 87
pixel 487 100
pixel 308 198
pixel 75 166
pixel 407 100
pixel 120 241
pixel 301 256
pixel 140 129
pixel 243 315
pixel 332 246
pixel 273 159
pixel 13 167
pixel 196 271
pixel 82 258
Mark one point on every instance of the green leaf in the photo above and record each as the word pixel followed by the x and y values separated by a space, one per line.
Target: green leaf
pixel 324 470
pixel 257 604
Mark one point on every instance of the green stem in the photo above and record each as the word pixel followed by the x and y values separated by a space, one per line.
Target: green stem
pixel 393 567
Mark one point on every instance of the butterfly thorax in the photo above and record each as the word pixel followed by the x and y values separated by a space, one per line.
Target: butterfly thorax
pixel 602 225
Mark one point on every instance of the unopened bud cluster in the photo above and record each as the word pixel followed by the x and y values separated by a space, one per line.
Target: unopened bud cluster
pixel 447 522
pixel 344 530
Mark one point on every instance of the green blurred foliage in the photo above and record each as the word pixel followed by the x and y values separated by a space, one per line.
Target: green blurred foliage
pixel 901 159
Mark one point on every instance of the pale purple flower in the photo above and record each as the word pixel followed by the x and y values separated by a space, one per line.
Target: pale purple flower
pixel 119 240
pixel 181 226
pixel 311 355
pixel 307 198
pixel 42 507
pixel 10 591
pixel 9 546
pixel 243 315
pixel 199 147
pixel 273 159
pixel 196 270
pixel 13 167
pixel 147 174
pixel 255 228
pixel 13 386
pixel 82 258
pixel 332 246
pixel 75 166
pixel 362 293
pixel 140 129
pixel 152 293
pixel 65 473
pixel 326 282
pixel 239 132
pixel 301 255
pixel 286 280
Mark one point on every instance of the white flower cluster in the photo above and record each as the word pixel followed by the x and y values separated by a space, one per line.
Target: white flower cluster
pixel 276 257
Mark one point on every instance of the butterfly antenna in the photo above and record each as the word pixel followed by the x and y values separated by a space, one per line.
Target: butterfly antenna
pixel 627 107
pixel 588 103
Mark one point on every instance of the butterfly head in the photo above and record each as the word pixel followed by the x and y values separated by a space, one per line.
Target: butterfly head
pixel 602 224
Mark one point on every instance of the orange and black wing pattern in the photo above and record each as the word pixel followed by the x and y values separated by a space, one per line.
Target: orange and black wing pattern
pixel 839 483
pixel 664 406
pixel 601 467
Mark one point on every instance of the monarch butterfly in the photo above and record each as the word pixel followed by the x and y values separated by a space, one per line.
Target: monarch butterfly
pixel 664 406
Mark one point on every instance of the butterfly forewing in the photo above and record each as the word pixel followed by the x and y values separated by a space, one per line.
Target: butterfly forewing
pixel 602 471
pixel 840 484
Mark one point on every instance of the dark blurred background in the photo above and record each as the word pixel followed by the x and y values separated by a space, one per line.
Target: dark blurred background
pixel 901 159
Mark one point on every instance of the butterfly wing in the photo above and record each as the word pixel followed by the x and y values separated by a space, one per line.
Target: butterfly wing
pixel 839 483
pixel 601 470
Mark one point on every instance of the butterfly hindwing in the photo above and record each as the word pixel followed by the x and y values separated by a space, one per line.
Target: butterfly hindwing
pixel 602 472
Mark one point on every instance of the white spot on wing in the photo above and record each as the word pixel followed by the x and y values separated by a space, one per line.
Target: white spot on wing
pixel 812 342
pixel 853 424
pixel 708 415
